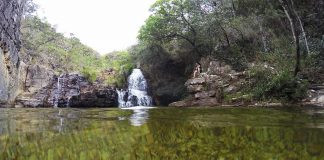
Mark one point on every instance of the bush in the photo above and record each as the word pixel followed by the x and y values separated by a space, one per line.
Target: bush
pixel 89 73
pixel 122 64
pixel 283 86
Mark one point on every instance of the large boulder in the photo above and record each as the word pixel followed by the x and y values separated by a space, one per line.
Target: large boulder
pixel 316 95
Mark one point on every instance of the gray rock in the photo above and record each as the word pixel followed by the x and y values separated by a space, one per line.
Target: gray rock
pixel 205 94
pixel 230 89
pixel 209 89
pixel 195 88
pixel 318 100
pixel 180 104
pixel 37 77
pixel 213 78
pixel 70 90
pixel 10 45
pixel 196 81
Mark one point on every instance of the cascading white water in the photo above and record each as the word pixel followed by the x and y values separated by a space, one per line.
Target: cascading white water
pixel 121 97
pixel 136 95
pixel 58 92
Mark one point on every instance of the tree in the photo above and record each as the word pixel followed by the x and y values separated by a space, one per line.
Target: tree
pixel 288 7
pixel 175 20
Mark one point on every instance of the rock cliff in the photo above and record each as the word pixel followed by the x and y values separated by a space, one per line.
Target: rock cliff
pixel 69 90
pixel 10 66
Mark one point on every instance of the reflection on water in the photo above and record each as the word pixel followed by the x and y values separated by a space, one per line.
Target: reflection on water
pixel 162 133
pixel 139 116
pixel 60 118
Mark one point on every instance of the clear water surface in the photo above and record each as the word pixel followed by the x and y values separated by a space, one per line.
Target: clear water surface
pixel 162 133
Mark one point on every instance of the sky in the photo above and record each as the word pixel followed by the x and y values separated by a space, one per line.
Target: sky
pixel 104 25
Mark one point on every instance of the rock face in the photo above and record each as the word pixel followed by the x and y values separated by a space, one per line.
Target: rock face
pixel 70 90
pixel 10 73
pixel 316 95
pixel 36 77
pixel 208 88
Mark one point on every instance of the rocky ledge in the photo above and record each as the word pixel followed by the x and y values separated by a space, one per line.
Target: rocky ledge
pixel 208 88
pixel 316 95
pixel 69 90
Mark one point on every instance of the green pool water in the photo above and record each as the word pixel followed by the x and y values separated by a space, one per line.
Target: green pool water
pixel 162 133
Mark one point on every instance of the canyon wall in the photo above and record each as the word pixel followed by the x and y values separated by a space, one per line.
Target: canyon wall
pixel 11 12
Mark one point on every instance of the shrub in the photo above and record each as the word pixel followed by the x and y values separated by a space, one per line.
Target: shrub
pixel 283 86
pixel 89 73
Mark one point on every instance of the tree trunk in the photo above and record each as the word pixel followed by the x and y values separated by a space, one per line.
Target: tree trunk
pixel 297 67
pixel 234 9
pixel 296 18
pixel 263 37
pixel 295 34
pixel 225 35
pixel 301 27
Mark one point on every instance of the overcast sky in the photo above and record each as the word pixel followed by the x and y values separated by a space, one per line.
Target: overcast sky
pixel 104 25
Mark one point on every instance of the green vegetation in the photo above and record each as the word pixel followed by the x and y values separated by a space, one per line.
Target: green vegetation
pixel 42 45
pixel 122 64
pixel 285 35
pixel 279 86
pixel 283 39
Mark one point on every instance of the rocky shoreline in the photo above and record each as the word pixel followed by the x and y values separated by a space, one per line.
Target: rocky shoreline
pixel 209 88
pixel 44 89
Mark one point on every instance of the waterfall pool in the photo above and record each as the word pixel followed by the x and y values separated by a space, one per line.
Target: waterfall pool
pixel 162 133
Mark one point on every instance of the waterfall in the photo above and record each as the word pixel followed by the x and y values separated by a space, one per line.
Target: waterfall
pixel 136 95
pixel 121 97
pixel 67 90
pixel 58 92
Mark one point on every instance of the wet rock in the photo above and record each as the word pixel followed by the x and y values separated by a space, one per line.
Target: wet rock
pixel 210 102
pixel 133 100
pixel 180 104
pixel 70 90
pixel 206 102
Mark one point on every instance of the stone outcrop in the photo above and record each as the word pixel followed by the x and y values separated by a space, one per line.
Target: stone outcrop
pixel 37 77
pixel 69 90
pixel 316 95
pixel 10 66
pixel 208 88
